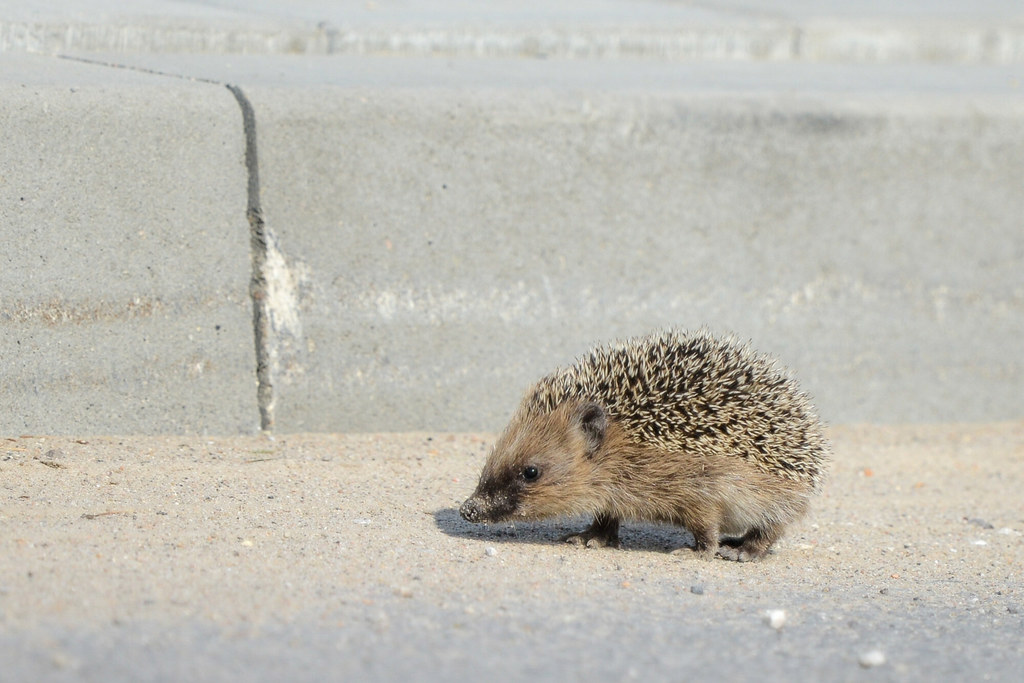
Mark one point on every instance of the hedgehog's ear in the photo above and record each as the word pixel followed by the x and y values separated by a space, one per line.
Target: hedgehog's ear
pixel 593 422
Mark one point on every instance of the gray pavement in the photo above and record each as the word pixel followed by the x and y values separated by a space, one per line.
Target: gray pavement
pixel 334 557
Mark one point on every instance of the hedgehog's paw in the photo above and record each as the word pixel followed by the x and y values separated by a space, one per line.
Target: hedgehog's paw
pixel 603 533
pixel 584 539
pixel 737 554
pixel 705 545
pixel 688 550
pixel 753 546
pixel 706 555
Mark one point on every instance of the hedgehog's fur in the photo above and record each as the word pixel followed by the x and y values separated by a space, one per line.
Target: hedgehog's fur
pixel 685 428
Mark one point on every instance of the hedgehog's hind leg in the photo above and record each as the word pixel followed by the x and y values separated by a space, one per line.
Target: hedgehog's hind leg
pixel 753 545
pixel 603 532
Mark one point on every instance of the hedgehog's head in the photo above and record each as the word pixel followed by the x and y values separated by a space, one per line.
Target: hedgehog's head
pixel 542 465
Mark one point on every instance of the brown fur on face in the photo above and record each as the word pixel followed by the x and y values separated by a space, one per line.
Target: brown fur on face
pixel 560 446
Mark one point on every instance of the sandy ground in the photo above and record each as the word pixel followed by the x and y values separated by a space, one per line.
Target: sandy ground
pixel 342 557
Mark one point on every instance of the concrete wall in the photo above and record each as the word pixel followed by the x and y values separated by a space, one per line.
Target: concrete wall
pixel 426 237
pixel 449 247
pixel 124 303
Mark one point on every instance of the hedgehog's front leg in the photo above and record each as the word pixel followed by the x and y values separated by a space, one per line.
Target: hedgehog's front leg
pixel 705 538
pixel 603 532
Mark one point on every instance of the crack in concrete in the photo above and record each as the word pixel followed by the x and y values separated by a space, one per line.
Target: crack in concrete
pixel 258 250
pixel 259 239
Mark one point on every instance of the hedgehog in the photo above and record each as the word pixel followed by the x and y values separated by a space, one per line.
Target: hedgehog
pixel 690 429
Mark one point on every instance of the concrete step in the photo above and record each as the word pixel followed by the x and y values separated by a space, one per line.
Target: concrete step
pixel 436 233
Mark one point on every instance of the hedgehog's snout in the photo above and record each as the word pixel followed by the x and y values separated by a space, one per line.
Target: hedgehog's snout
pixel 488 508
pixel 471 510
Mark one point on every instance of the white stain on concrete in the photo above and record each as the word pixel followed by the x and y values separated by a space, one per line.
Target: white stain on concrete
pixel 287 289
pixel 436 305
pixel 282 287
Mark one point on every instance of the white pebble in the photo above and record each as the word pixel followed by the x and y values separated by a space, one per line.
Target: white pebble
pixel 491 551
pixel 775 618
pixel 872 658
pixel 979 542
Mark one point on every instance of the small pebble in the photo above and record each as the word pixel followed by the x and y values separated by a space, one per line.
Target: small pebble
pixel 872 658
pixel 491 551
pixel 979 522
pixel 775 618
pixel 697 589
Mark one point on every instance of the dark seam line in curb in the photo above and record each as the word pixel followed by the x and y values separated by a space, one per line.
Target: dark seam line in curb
pixel 140 69
pixel 258 250
pixel 257 234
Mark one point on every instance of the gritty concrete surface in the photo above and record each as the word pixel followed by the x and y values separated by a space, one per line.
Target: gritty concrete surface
pixel 342 557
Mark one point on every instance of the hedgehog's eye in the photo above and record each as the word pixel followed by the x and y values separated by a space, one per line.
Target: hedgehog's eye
pixel 530 473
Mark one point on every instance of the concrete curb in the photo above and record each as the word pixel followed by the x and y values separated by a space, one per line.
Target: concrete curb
pixel 425 237
pixel 458 244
